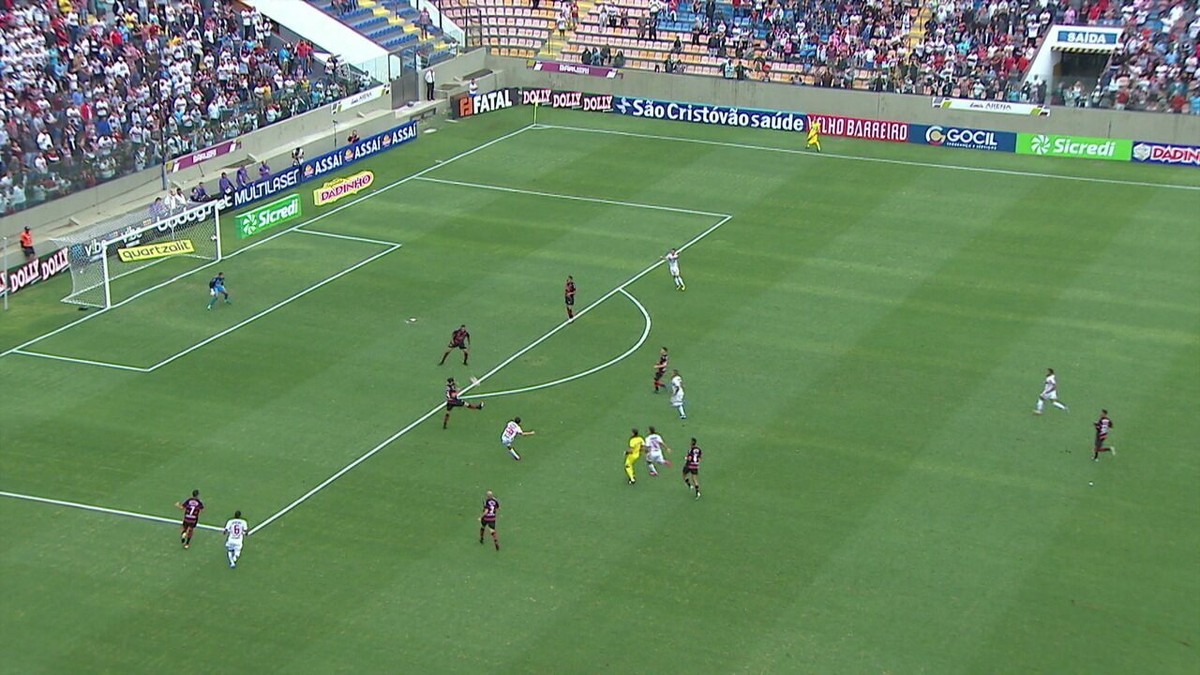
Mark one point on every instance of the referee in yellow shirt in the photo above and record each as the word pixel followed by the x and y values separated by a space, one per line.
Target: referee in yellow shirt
pixel 633 454
pixel 814 135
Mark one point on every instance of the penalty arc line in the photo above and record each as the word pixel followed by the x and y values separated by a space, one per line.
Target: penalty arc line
pixel 314 219
pixel 480 380
pixel 595 369
pixel 103 509
pixel 877 160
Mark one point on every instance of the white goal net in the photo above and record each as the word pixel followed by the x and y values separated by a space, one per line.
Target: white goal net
pixel 118 247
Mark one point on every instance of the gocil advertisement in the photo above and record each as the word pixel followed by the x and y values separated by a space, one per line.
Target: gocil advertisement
pixel 963 137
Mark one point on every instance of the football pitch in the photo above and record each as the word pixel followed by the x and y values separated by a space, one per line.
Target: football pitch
pixel 862 339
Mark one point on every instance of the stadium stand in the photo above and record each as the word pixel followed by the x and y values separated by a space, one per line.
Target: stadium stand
pixel 393 25
pixel 90 97
pixel 508 27
pixel 1155 67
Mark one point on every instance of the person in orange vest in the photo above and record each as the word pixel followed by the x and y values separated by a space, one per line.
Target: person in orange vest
pixel 27 245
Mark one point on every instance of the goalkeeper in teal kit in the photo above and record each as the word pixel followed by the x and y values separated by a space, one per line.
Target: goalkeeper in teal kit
pixel 216 288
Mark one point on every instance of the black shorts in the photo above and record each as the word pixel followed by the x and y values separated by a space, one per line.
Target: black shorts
pixel 487 523
pixel 691 471
pixel 570 300
pixel 28 250
pixel 190 524
pixel 457 345
pixel 1100 440
pixel 658 373
pixel 456 403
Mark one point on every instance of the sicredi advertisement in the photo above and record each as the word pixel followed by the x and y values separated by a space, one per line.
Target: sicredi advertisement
pixel 1079 147
pixel 963 137
pixel 267 216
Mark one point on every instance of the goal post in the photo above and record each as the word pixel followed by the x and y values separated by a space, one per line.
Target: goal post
pixel 117 247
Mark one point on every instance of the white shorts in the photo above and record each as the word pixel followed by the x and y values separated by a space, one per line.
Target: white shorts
pixel 232 547
pixel 507 442
pixel 673 269
pixel 656 457
pixel 1052 396
pixel 677 401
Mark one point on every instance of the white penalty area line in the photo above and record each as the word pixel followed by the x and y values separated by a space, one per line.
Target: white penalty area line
pixel 103 509
pixel 595 369
pixel 86 362
pixel 347 237
pixel 480 380
pixel 576 198
pixel 876 160
pixel 314 219
pixel 272 308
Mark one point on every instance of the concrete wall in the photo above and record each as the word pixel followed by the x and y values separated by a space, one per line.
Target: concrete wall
pixel 1160 127
pixel 315 128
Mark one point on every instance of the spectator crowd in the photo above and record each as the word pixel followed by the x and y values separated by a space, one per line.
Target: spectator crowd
pixel 89 96
pixel 978 49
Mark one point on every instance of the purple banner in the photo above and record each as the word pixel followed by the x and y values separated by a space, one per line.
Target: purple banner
pixel 576 100
pixel 222 148
pixel 1162 153
pixel 576 69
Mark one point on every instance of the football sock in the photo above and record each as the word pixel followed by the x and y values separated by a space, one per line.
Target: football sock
pixel 697 493
pixel 445 420
pixel 1058 405
pixel 629 472
pixel 514 454
pixel 481 535
pixel 1039 405
pixel 212 302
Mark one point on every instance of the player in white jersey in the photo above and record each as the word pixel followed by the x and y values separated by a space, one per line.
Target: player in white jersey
pixel 1049 393
pixel 235 531
pixel 677 394
pixel 511 431
pixel 672 258
pixel 655 446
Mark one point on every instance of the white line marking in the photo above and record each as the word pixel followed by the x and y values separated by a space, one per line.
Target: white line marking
pixel 102 509
pixel 878 160
pixel 519 353
pixel 88 362
pixel 576 198
pixel 272 308
pixel 348 237
pixel 256 244
pixel 563 380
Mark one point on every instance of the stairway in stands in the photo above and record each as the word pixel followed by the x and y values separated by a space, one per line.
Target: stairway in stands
pixel 391 25
pixel 916 36
pixel 555 44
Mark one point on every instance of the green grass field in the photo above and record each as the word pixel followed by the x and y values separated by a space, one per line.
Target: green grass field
pixel 863 338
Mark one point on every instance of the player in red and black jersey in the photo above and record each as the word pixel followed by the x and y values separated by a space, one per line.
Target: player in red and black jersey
pixel 191 507
pixel 459 339
pixel 569 297
pixel 1103 426
pixel 691 468
pixel 453 401
pixel 660 369
pixel 487 520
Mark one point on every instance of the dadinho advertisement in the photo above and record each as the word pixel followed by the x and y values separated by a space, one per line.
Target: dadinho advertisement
pixel 1078 147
